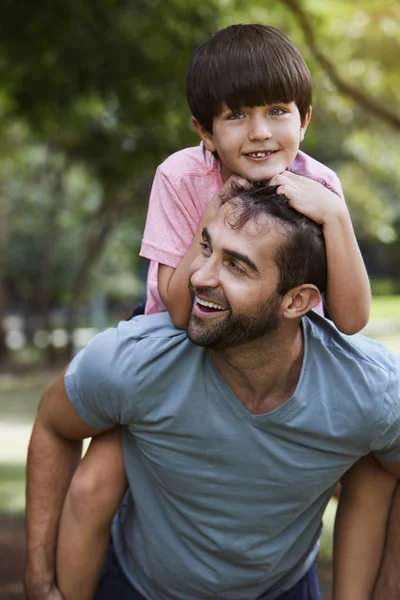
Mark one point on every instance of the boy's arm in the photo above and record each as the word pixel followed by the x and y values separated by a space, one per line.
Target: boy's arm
pixel 173 284
pixel 94 496
pixel 360 529
pixel 54 451
pixel 388 584
pixel 348 296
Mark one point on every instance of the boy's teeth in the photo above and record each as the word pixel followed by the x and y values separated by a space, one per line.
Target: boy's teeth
pixel 209 304
pixel 258 154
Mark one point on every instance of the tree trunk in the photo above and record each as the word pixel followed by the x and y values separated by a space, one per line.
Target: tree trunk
pixel 3 248
pixel 48 260
pixel 94 246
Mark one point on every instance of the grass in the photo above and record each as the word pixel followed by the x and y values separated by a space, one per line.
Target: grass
pixel 386 307
pixel 20 394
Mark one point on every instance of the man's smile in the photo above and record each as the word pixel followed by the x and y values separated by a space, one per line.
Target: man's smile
pixel 203 307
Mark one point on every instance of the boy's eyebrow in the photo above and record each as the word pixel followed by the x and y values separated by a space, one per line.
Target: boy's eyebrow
pixel 233 253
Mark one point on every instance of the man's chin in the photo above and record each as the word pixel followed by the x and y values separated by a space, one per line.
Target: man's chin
pixel 198 332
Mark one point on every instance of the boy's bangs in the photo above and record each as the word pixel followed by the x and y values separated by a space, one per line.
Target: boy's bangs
pixel 261 84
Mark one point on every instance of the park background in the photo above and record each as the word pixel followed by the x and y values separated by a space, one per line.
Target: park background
pixel 92 99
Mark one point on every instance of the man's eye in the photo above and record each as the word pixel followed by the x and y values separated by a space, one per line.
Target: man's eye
pixel 205 248
pixel 234 266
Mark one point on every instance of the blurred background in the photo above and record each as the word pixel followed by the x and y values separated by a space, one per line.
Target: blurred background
pixel 92 99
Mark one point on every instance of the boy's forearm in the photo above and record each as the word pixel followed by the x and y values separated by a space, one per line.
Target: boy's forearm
pixel 360 529
pixel 348 294
pixel 51 463
pixel 388 584
pixel 177 298
pixel 175 292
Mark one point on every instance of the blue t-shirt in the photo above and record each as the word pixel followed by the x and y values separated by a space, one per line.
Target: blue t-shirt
pixel 223 503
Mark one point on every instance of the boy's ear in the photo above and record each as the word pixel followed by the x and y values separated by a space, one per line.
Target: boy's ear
pixel 205 135
pixel 304 123
pixel 299 300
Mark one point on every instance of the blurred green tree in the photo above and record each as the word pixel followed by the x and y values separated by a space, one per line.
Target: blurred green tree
pixel 101 85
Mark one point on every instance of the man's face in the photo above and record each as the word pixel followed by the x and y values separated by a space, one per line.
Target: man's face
pixel 233 284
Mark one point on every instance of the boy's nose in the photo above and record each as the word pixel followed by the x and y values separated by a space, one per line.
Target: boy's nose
pixel 259 130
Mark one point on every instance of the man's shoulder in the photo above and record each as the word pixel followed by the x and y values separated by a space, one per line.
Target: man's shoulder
pixel 308 166
pixel 342 351
pixel 193 161
pixel 141 359
pixel 143 337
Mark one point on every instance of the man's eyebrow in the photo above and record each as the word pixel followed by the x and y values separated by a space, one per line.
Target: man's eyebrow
pixel 206 236
pixel 242 258
pixel 238 255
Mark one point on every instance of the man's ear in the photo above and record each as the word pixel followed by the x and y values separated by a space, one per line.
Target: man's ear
pixel 299 300
pixel 304 123
pixel 205 135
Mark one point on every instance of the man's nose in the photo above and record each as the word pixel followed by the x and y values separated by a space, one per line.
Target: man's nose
pixel 206 274
pixel 259 129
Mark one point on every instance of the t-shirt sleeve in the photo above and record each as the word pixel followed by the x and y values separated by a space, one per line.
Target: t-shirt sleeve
pixel 386 443
pixel 95 380
pixel 171 223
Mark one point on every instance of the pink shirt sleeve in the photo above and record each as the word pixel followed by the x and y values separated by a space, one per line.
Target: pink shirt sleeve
pixel 171 222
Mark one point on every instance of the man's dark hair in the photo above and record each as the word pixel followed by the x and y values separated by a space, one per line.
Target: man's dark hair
pixel 301 257
pixel 246 65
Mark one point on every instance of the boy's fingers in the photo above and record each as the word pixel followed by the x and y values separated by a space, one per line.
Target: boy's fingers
pixel 284 189
pixel 288 190
pixel 293 176
pixel 280 179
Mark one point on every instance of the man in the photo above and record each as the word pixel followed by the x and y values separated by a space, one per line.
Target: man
pixel 233 438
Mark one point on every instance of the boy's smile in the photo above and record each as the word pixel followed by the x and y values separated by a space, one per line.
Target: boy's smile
pixel 257 142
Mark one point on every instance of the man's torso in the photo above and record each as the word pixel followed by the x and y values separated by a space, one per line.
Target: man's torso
pixel 224 503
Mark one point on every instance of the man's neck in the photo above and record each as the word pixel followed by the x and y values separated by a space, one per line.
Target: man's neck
pixel 264 373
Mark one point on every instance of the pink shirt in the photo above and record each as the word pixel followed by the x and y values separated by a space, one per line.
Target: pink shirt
pixel 183 184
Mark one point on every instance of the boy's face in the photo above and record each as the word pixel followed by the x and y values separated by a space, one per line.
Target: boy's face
pixel 256 143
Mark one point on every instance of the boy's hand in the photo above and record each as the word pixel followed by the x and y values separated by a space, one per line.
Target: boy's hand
pixel 309 197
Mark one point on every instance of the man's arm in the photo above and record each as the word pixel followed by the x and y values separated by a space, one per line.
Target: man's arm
pixel 54 451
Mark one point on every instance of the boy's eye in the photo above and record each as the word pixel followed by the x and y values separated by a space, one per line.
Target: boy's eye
pixel 235 116
pixel 277 111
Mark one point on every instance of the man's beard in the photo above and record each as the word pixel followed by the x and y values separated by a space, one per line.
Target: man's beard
pixel 235 329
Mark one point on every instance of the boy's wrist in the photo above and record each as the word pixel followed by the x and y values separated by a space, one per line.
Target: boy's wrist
pixel 338 216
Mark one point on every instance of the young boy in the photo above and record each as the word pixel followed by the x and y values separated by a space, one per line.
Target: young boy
pixel 249 91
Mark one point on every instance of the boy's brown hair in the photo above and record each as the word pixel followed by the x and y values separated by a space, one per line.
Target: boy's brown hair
pixel 246 65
